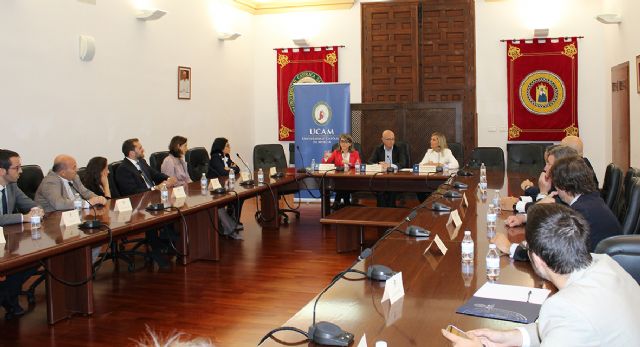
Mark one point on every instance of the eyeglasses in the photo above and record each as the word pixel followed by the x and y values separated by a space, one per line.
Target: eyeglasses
pixel 389 139
pixel 17 168
pixel 345 141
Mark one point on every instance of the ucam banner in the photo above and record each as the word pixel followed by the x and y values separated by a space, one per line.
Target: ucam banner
pixel 323 112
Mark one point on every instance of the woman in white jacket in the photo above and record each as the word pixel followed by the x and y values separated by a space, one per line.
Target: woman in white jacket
pixel 439 154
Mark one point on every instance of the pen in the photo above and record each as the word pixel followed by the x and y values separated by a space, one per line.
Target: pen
pixel 529 296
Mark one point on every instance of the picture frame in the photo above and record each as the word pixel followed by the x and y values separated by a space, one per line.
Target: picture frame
pixel 638 72
pixel 184 82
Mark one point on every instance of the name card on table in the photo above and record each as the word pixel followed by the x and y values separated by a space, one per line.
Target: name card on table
pixel 465 202
pixel 70 233
pixel 363 341
pixel 2 239
pixel 178 192
pixel 123 205
pixel 124 216
pixel 273 171
pixel 392 312
pixel 214 183
pixel 393 289
pixel 245 176
pixel 455 218
pixel 179 202
pixel 70 218
pixel 427 169
pixel 373 168
pixel 326 167
pixel 440 247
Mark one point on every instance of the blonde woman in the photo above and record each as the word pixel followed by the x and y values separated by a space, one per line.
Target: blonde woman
pixel 439 154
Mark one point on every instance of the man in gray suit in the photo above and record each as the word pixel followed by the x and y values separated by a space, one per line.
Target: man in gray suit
pixel 597 303
pixel 15 208
pixel 57 190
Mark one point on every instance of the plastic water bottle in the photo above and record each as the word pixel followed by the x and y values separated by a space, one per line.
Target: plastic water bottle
pixel 261 173
pixel 445 169
pixel 232 176
pixel 467 247
pixel 77 203
pixel 483 170
pixel 493 263
pixel 491 216
pixel 313 164
pixel 496 201
pixel 204 182
pixel 164 193
pixel 357 163
pixel 483 184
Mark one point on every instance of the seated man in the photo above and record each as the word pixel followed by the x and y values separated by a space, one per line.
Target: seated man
pixel 575 187
pixel 597 303
pixel 16 208
pixel 388 155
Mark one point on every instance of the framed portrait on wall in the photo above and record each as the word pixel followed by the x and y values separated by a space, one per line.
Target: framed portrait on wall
pixel 184 82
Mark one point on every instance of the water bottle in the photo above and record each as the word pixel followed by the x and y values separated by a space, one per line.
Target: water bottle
pixel 35 222
pixel 491 216
pixel 493 263
pixel 164 193
pixel 77 203
pixel 483 184
pixel 357 163
pixel 261 173
pixel 445 169
pixel 204 182
pixel 483 170
pixel 467 247
pixel 496 201
pixel 232 176
pixel 313 164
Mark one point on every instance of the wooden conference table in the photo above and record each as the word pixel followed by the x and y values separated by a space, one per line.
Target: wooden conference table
pixel 435 285
pixel 66 251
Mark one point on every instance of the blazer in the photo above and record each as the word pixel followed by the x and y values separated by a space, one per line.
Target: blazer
pixel 443 157
pixel 17 203
pixel 599 306
pixel 216 166
pixel 602 221
pixel 130 181
pixel 52 194
pixel 398 156
pixel 176 167
pixel 336 158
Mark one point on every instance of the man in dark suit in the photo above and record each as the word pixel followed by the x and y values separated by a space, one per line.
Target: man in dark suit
pixel 388 155
pixel 16 208
pixel 134 176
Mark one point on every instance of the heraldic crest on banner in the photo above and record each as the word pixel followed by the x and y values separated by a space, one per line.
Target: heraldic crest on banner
pixel 542 78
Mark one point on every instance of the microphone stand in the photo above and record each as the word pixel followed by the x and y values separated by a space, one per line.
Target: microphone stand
pixel 88 224
pixel 302 169
pixel 248 182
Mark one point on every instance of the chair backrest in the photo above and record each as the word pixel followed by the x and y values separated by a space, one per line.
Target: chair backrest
pixel 627 186
pixel 525 157
pixel 113 186
pixel 269 155
pixel 492 157
pixel 81 172
pixel 292 153
pixel 197 159
pixel 631 222
pixel 625 249
pixel 30 179
pixel 404 146
pixel 611 186
pixel 156 159
pixel 457 151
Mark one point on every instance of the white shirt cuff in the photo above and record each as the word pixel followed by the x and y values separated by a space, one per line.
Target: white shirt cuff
pixel 526 198
pixel 520 206
pixel 541 196
pixel 526 339
pixel 512 249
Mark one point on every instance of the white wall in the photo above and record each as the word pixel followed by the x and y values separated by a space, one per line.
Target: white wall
pixel 622 44
pixel 51 102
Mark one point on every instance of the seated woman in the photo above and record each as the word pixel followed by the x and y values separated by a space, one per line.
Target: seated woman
pixel 174 164
pixel 439 154
pixel 96 177
pixel 220 165
pixel 344 154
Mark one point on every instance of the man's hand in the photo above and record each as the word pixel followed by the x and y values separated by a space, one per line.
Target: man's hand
pixel 526 184
pixel 171 181
pixel 544 183
pixel 506 203
pixel 384 165
pixel 517 220
pixel 497 338
pixel 98 200
pixel 461 341
pixel 502 242
pixel 549 199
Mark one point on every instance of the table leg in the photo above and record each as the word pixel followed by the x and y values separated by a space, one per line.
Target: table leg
pixel 270 208
pixel 202 237
pixel 347 238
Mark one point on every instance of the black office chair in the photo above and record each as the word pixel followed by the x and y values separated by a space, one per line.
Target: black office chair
pixel 457 151
pixel 627 185
pixel 625 249
pixel 525 158
pixel 611 187
pixel 156 159
pixel 631 223
pixel 272 155
pixel 113 186
pixel 30 180
pixel 492 157
pixel 197 159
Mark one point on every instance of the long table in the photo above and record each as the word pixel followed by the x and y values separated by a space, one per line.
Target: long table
pixel 66 251
pixel 435 285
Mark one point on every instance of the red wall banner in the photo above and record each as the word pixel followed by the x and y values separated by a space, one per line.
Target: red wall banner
pixel 301 65
pixel 542 82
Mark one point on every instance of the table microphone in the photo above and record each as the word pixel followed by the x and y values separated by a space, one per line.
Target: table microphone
pixel 248 182
pixel 88 224
pixel 302 169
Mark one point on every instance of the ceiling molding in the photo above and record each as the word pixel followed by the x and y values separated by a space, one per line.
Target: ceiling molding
pixel 258 7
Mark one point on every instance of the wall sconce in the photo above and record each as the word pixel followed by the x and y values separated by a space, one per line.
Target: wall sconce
pixel 540 33
pixel 228 36
pixel 87 47
pixel 609 18
pixel 150 14
pixel 302 42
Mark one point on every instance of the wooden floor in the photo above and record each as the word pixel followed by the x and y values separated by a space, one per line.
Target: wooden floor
pixel 258 284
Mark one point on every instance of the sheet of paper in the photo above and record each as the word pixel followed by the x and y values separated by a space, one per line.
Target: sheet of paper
pixel 178 192
pixel 363 341
pixel 245 176
pixel 440 244
pixel 513 293
pixel 70 218
pixel 393 289
pixel 2 239
pixel 214 183
pixel 123 205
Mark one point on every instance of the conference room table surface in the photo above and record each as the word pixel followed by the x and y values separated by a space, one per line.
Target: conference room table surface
pixel 435 285
pixel 66 251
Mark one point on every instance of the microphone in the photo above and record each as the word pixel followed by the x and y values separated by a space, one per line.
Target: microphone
pixel 88 224
pixel 326 333
pixel 248 182
pixel 302 169
pixel 463 172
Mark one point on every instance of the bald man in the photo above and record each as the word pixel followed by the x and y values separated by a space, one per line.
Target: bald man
pixel 389 155
pixel 57 190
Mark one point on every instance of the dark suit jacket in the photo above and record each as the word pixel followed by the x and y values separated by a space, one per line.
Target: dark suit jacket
pixel 602 221
pixel 398 156
pixel 17 203
pixel 595 177
pixel 216 166
pixel 130 181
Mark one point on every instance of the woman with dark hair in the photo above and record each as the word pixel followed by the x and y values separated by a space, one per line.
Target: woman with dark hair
pixel 96 177
pixel 344 154
pixel 174 164
pixel 220 163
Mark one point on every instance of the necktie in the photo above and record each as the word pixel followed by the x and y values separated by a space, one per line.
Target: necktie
pixel 5 203
pixel 145 178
